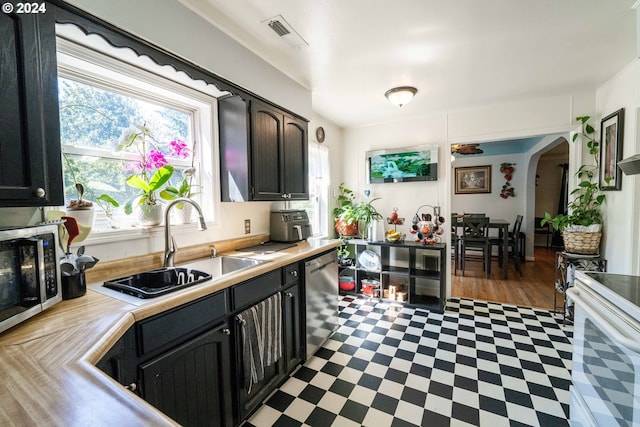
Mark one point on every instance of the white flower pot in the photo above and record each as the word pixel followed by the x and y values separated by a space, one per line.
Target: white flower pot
pixel 84 216
pixel 149 215
pixel 183 216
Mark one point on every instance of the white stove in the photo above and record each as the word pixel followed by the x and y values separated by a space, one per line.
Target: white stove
pixel 606 350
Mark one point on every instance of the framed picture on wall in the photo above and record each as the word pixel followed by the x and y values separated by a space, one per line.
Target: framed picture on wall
pixel 611 134
pixel 473 180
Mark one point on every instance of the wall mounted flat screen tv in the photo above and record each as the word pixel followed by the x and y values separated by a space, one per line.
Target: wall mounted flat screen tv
pixel 409 164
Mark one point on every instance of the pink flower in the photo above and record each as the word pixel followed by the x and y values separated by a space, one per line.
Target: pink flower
pixel 179 148
pixel 155 160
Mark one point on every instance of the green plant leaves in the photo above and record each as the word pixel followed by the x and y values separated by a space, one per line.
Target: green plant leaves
pixel 584 209
pixel 160 178
pixel 108 199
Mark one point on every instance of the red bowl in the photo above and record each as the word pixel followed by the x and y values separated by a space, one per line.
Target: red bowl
pixel 347 284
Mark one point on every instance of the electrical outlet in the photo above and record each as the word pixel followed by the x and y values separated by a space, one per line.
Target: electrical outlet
pixel 247 226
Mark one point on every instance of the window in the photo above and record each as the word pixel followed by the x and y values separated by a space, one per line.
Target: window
pixel 103 99
pixel 317 206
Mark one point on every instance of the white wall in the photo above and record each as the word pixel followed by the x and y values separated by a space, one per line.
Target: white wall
pixel 621 231
pixel 406 196
pixel 491 203
pixel 554 115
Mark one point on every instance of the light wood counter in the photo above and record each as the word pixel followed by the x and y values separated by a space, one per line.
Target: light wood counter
pixel 47 367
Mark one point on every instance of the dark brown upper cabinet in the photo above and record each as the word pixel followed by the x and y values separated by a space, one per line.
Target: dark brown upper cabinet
pixel 263 152
pixel 30 158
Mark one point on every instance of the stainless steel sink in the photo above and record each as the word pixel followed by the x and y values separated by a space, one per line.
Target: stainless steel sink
pixel 230 264
pixel 158 282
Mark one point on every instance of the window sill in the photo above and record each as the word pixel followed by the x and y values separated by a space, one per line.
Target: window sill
pixel 101 236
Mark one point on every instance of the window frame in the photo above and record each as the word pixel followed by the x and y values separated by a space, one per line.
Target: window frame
pixel 94 62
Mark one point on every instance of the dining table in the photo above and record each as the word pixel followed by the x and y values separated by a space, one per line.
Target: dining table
pixel 502 226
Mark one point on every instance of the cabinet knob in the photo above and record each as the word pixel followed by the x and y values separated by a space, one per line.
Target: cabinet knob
pixel 40 192
pixel 131 387
pixel 294 273
pixel 288 294
pixel 226 331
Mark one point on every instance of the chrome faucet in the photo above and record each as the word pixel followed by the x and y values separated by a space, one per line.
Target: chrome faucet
pixel 169 242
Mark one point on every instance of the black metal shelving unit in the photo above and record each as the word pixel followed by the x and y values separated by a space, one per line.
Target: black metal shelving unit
pixel 414 270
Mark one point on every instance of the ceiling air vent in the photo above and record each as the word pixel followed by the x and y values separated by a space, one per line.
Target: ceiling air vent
pixel 285 31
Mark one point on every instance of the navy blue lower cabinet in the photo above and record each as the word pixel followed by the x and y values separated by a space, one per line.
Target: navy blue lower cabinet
pixel 191 382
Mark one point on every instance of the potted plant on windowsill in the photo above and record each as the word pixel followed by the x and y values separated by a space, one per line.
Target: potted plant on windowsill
pixel 152 173
pixel 182 190
pixel 581 227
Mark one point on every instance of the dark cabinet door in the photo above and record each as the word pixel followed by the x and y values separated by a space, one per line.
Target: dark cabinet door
pixel 191 383
pixel 30 159
pixel 293 344
pixel 266 152
pixel 121 362
pixel 263 152
pixel 295 164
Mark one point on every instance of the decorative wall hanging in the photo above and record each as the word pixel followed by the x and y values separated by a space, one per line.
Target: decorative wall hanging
pixel 611 133
pixel 507 170
pixel 473 180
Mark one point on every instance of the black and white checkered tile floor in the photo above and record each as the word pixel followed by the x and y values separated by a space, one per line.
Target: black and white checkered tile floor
pixel 478 364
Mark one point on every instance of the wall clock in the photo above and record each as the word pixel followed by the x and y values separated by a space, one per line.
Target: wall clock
pixel 320 134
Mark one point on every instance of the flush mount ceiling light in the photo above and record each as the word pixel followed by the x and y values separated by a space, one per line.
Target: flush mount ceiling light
pixel 401 95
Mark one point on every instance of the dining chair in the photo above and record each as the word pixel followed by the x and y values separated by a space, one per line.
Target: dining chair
pixel 512 244
pixel 474 240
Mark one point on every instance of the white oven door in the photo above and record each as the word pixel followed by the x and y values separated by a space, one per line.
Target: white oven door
pixel 606 363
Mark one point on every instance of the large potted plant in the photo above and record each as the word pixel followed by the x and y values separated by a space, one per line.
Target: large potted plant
pixel 351 217
pixel 581 227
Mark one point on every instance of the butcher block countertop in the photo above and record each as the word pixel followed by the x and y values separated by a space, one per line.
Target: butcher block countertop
pixel 47 364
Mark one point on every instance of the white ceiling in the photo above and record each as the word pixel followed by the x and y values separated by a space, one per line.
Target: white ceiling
pixel 458 53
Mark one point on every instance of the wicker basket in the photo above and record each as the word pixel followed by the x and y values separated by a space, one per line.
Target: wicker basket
pixel 581 242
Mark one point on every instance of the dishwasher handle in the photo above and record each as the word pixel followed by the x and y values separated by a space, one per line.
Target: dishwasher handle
pixel 319 263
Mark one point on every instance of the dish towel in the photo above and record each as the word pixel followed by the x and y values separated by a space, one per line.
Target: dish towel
pixel 261 330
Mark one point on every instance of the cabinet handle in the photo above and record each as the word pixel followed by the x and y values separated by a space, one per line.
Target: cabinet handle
pixel 40 192
pixel 288 294
pixel 131 387
pixel 294 273
pixel 226 331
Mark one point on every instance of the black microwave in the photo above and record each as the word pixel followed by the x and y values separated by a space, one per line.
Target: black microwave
pixel 29 272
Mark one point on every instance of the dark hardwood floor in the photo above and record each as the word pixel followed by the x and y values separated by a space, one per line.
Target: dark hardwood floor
pixel 535 288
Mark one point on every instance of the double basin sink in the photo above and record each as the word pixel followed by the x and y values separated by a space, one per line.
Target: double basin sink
pixel 162 281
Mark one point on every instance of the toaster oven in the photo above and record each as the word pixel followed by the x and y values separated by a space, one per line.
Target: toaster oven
pixel 290 225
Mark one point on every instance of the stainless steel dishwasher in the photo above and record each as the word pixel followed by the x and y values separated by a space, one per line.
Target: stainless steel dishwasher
pixel 321 286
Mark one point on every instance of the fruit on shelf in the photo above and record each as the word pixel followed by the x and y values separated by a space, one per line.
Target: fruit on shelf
pixel 394 236
pixel 394 214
